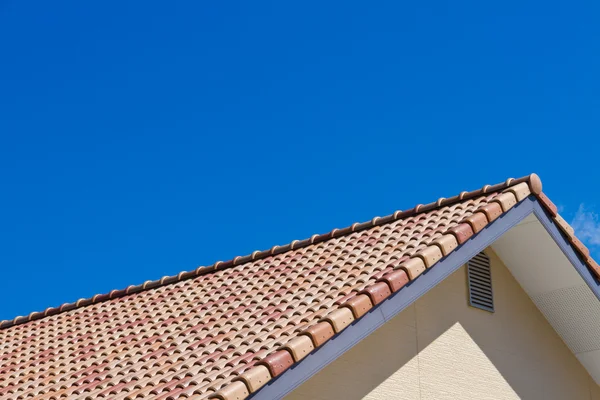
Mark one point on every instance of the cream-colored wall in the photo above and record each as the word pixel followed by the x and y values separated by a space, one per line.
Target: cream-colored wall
pixel 440 348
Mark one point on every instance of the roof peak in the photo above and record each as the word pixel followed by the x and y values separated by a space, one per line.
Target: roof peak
pixel 533 181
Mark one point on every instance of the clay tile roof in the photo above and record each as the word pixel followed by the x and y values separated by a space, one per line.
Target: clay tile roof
pixel 225 330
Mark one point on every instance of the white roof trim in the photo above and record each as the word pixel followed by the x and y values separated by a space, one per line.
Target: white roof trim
pixel 558 289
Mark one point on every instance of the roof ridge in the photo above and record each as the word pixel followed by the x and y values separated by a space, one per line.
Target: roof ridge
pixel 533 180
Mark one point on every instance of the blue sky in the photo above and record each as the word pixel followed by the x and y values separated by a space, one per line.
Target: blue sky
pixel 140 139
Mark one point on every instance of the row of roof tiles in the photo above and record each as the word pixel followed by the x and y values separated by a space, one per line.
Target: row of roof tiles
pixel 275 250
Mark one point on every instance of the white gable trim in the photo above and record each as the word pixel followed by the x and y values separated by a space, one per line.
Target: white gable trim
pixel 559 283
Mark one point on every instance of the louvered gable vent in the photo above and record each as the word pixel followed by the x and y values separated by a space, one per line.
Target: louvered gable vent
pixel 479 277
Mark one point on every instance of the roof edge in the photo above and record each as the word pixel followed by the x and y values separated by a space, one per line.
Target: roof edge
pixel 526 199
pixel 533 180
pixel 288 378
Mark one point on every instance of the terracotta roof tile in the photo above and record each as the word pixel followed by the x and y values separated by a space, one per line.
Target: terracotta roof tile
pixel 227 329
pixel 395 280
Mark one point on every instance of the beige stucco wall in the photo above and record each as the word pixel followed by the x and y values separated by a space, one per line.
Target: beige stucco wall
pixel 440 348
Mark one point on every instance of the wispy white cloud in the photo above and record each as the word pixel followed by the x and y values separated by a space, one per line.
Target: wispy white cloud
pixel 587 226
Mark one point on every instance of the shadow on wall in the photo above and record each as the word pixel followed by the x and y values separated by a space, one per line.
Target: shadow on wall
pixel 440 348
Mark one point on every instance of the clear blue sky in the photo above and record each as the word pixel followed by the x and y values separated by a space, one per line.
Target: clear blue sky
pixel 140 139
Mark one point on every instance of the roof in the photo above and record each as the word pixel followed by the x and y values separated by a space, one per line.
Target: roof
pixel 226 330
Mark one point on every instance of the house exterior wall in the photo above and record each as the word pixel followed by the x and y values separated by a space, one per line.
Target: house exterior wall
pixel 441 348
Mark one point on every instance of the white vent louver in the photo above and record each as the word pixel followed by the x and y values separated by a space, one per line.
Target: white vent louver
pixel 479 276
